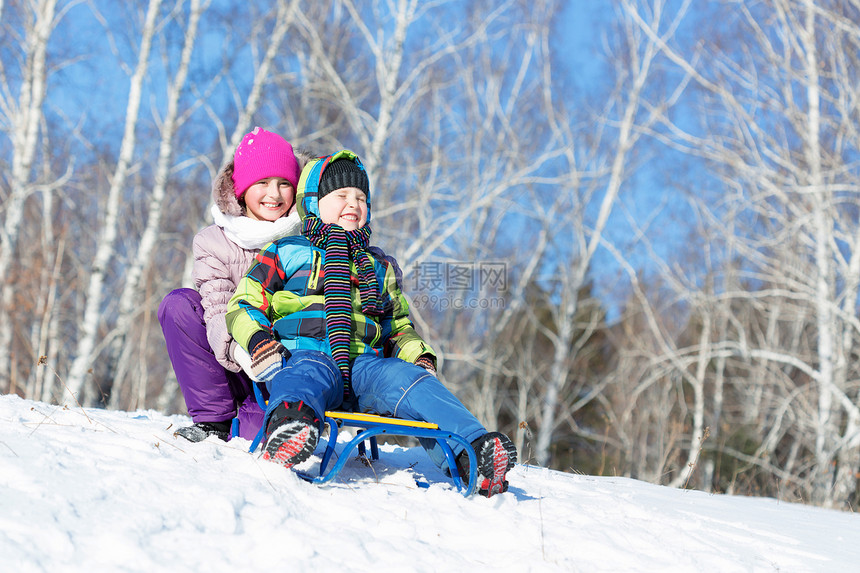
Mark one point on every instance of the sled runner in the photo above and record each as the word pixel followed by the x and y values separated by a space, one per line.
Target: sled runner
pixel 369 427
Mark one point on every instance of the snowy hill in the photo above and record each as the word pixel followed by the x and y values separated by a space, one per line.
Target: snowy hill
pixel 96 490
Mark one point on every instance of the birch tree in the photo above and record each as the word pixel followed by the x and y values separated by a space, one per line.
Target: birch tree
pixel 781 136
pixel 92 317
pixel 281 24
pixel 46 324
pixel 21 114
pixel 595 185
pixel 130 302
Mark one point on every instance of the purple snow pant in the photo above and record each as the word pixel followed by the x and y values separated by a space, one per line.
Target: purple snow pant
pixel 212 393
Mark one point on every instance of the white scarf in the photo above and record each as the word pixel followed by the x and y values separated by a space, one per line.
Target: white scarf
pixel 251 234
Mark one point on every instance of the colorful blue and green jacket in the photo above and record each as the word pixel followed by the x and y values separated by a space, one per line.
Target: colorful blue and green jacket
pixel 282 293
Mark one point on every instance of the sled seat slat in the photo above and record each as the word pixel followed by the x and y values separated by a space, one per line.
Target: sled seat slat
pixel 361 417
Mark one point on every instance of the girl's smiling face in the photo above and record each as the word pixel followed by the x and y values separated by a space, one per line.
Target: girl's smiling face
pixel 346 207
pixel 269 199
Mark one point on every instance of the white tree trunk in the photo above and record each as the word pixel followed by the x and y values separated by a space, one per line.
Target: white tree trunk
pixel 389 60
pixel 698 383
pixel 827 430
pixel 24 116
pixel 129 303
pixel 576 280
pixel 47 343
pixel 85 354
pixel 558 378
pixel 283 21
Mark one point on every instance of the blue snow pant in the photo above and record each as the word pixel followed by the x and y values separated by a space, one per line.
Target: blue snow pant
pixel 386 386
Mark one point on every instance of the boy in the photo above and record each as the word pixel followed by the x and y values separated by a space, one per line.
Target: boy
pixel 318 313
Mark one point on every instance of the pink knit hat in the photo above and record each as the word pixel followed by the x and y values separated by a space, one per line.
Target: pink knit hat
pixel 263 154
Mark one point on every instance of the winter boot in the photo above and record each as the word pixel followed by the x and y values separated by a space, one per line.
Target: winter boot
pixel 291 434
pixel 202 430
pixel 496 456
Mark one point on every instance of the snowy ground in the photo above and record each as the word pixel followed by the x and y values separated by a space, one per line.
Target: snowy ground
pixel 96 490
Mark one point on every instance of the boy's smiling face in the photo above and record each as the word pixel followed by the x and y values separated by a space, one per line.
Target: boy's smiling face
pixel 346 207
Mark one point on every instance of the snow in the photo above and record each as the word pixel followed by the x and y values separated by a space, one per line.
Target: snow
pixel 97 490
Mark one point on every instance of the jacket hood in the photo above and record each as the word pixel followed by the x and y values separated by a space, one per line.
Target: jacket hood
pixel 223 190
pixel 307 196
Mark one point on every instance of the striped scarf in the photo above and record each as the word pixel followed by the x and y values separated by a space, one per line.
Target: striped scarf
pixel 342 247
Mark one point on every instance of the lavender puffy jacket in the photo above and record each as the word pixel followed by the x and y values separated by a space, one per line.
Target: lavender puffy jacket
pixel 219 263
pixel 223 252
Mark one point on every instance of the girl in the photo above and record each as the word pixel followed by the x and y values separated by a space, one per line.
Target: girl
pixel 254 198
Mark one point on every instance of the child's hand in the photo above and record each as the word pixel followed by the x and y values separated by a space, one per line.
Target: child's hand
pixel 268 358
pixel 426 363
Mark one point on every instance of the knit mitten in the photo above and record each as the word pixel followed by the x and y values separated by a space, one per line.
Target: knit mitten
pixel 268 357
pixel 425 362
